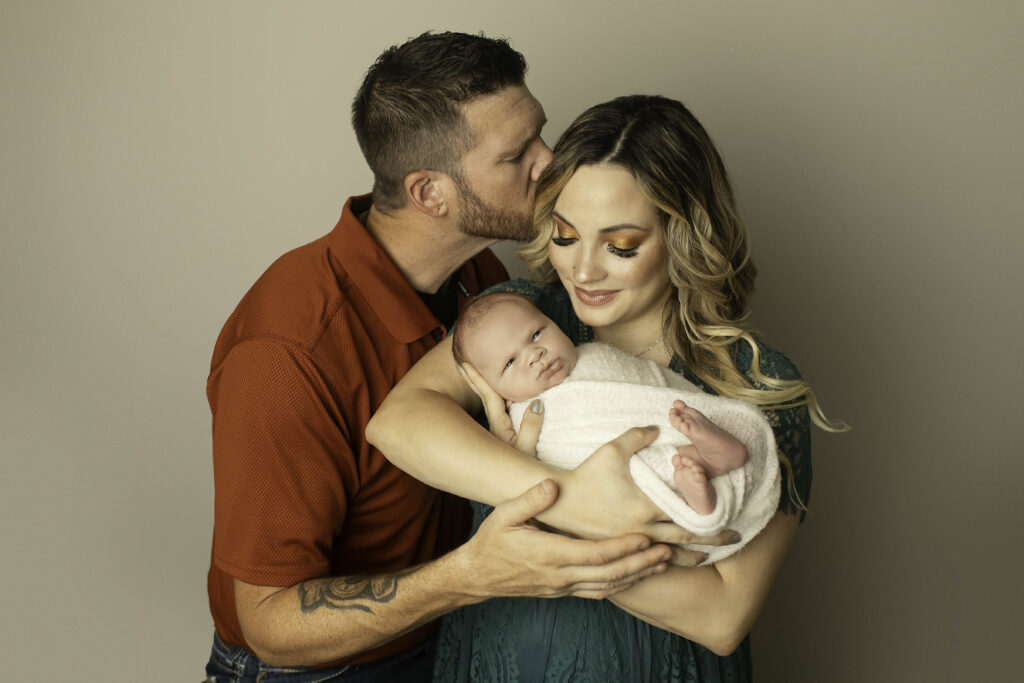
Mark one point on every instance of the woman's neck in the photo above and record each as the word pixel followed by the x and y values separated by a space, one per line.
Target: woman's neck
pixel 643 339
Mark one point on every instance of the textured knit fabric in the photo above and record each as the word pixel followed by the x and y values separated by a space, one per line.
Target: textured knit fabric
pixel 610 391
pixel 308 355
pixel 570 639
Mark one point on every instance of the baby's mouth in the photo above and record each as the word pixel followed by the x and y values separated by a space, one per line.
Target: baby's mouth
pixel 551 368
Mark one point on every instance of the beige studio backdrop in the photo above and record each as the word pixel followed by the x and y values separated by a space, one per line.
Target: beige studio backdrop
pixel 156 157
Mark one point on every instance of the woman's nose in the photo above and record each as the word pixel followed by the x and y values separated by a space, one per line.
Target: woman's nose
pixel 586 268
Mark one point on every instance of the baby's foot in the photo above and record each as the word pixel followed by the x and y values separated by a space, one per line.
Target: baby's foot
pixel 719 450
pixel 692 482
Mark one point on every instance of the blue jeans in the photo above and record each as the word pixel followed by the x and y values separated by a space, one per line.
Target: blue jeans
pixel 232 664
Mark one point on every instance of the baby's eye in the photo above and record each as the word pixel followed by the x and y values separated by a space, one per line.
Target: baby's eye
pixel 508 364
pixel 537 334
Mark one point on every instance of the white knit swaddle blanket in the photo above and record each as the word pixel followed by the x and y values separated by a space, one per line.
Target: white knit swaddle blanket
pixel 610 391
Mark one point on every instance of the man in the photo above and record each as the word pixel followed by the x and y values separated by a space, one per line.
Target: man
pixel 324 554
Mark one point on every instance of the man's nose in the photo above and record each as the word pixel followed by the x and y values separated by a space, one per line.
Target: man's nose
pixel 543 159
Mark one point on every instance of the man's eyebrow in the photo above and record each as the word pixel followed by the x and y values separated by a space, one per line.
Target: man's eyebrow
pixel 610 228
pixel 525 144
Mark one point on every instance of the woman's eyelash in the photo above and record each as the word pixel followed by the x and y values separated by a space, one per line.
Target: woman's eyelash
pixel 623 253
pixel 563 241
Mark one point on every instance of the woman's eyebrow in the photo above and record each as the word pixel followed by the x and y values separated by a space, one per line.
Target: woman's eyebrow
pixel 563 219
pixel 610 228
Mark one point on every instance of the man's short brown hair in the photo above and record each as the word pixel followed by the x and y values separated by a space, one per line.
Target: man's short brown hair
pixel 407 114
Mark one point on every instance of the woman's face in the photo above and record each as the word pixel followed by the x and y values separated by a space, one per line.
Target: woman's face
pixel 609 252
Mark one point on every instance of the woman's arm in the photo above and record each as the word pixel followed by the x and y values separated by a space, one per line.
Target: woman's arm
pixel 716 605
pixel 424 428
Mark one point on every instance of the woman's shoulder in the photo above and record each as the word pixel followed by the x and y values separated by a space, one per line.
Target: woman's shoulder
pixel 772 362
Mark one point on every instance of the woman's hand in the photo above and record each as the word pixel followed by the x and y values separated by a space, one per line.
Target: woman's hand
pixel 497 417
pixel 601 491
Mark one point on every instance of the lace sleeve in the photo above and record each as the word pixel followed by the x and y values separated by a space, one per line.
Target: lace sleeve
pixel 792 427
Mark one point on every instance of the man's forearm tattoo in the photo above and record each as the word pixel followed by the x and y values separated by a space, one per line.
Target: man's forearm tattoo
pixel 343 592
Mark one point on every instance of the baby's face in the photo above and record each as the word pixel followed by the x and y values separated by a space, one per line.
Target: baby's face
pixel 519 351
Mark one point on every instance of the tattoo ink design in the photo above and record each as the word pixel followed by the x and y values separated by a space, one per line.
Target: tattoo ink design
pixel 341 593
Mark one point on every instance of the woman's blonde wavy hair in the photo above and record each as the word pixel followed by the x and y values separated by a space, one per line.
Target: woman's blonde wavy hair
pixel 678 169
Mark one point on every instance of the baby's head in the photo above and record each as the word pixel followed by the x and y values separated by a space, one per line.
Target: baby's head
pixel 517 349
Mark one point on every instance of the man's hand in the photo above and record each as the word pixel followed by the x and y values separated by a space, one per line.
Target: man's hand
pixel 599 499
pixel 510 556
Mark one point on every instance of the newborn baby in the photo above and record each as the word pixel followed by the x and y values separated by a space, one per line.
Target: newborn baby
pixel 522 354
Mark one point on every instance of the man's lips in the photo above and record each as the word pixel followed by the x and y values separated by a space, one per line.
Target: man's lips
pixel 551 368
pixel 595 297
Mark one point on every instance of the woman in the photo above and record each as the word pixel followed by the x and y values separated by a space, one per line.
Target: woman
pixel 640 246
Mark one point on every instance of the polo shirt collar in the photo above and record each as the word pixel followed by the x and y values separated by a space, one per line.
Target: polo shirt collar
pixel 375 275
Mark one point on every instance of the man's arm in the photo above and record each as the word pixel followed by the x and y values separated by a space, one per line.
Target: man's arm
pixel 321 620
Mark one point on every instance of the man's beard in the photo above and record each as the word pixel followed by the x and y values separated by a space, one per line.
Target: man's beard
pixel 480 219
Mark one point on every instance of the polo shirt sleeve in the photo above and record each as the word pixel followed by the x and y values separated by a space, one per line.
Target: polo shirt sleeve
pixel 280 448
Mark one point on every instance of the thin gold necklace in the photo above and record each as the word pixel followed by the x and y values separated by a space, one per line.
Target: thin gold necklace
pixel 658 341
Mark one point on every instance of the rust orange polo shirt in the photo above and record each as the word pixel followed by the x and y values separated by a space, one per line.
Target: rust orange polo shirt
pixel 307 356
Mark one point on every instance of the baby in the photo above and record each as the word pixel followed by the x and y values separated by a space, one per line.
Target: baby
pixel 522 354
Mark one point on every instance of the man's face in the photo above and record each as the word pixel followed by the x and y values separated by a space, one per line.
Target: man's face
pixel 498 176
pixel 519 351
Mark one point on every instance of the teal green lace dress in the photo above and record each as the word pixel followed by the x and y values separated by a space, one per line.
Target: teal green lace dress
pixel 571 639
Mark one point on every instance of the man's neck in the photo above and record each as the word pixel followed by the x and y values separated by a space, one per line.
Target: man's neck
pixel 426 251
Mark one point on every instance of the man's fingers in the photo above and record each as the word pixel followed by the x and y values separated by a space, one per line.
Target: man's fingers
pixel 529 429
pixel 627 569
pixel 588 572
pixel 619 556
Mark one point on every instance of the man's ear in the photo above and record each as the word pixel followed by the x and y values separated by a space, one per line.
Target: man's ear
pixel 430 192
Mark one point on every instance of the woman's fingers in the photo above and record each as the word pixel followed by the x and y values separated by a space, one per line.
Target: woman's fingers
pixel 668 532
pixel 529 428
pixel 475 381
pixel 681 557
pixel 494 405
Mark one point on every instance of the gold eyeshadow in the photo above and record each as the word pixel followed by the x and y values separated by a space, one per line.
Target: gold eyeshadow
pixel 624 244
pixel 565 231
pixel 622 240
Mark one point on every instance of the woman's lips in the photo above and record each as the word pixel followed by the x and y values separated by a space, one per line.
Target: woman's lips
pixel 597 297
